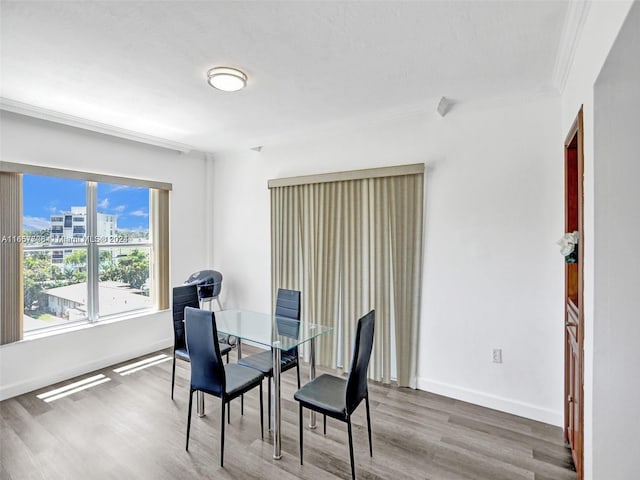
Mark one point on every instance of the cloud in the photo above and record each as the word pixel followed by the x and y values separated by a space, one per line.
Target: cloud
pixel 139 213
pixel 104 204
pixel 35 223
pixel 116 188
pixel 119 208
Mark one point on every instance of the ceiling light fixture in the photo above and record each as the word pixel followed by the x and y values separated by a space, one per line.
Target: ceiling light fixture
pixel 227 79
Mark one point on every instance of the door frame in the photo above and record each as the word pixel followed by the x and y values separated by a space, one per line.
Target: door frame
pixel 574 159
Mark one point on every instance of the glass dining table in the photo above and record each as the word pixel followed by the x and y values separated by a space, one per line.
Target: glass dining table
pixel 279 334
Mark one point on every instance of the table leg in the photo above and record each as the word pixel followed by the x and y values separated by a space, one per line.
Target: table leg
pixel 277 453
pixel 239 348
pixel 312 375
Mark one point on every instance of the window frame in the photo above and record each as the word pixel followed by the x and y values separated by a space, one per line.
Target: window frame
pixel 158 247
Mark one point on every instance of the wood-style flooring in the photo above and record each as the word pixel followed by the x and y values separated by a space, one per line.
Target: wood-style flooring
pixel 129 428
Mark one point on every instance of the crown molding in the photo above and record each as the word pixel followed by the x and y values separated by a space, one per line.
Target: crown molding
pixel 571 30
pixel 14 106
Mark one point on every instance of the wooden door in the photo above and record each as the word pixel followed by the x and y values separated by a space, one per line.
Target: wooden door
pixel 574 303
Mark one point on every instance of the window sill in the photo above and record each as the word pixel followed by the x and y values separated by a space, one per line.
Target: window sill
pixel 83 325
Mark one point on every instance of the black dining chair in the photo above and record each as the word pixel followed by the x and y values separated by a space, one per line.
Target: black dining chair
pixel 338 397
pixel 209 285
pixel 209 374
pixel 287 308
pixel 184 296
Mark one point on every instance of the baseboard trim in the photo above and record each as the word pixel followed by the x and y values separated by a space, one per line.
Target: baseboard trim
pixel 31 384
pixel 495 402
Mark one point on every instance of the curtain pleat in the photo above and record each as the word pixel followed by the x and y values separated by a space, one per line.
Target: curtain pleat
pixel 11 252
pixel 160 239
pixel 351 246
pixel 406 250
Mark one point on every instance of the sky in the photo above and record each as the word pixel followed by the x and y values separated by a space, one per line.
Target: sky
pixel 45 196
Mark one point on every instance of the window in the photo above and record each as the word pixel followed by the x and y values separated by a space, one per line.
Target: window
pixel 124 249
pixel 55 282
pixel 81 247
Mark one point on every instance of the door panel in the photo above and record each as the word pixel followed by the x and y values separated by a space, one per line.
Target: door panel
pixel 574 303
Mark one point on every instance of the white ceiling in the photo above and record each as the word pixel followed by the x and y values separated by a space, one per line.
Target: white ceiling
pixel 142 66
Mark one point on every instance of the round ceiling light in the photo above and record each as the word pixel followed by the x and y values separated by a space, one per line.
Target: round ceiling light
pixel 227 79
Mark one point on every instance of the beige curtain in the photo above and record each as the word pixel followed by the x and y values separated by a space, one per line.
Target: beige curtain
pixel 351 246
pixel 160 239
pixel 11 288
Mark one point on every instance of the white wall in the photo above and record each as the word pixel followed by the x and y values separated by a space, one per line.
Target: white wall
pixel 34 363
pixel 494 276
pixel 599 32
pixel 616 356
pixel 494 209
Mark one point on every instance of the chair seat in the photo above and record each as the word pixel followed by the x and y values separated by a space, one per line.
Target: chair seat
pixel 263 362
pixel 240 379
pixel 224 348
pixel 325 394
pixel 182 354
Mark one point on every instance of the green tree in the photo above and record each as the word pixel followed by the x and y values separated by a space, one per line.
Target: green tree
pixel 135 268
pixel 42 236
pixel 40 274
pixel 77 259
pixel 79 276
pixel 132 269
pixel 37 271
pixel 105 257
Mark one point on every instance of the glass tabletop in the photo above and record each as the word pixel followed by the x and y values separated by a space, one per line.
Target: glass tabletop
pixel 276 332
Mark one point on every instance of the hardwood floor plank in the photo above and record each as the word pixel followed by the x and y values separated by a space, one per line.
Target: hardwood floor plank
pixel 129 427
pixel 493 417
pixel 16 459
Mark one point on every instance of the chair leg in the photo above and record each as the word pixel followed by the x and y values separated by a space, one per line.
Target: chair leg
pixel 298 372
pixel 229 413
pixel 222 433
pixel 227 357
pixel 353 467
pixel 189 418
pixel 366 399
pixel 301 430
pixel 261 414
pixel 324 421
pixel 173 375
pixel 241 404
pixel 269 402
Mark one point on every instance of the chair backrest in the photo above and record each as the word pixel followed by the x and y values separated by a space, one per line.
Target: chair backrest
pixel 207 369
pixel 288 307
pixel 183 296
pixel 288 303
pixel 357 382
pixel 288 327
pixel 209 283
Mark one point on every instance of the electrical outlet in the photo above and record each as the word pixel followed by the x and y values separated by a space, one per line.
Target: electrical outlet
pixel 497 355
